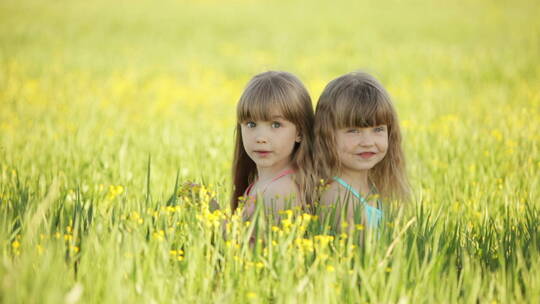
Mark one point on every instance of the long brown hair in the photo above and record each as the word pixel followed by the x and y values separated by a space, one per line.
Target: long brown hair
pixel 359 100
pixel 282 91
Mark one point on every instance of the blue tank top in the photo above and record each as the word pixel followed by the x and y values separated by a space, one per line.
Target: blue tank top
pixel 373 215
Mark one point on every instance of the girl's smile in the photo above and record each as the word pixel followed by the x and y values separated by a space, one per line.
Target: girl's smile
pixel 361 148
pixel 367 155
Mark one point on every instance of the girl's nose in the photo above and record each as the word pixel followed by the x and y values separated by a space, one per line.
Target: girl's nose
pixel 366 140
pixel 261 139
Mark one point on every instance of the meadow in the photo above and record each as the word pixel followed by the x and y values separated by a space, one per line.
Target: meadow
pixel 116 131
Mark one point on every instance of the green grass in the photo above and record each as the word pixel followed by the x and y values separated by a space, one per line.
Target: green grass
pixel 109 110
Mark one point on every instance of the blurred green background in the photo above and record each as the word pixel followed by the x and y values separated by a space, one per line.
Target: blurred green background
pixel 83 81
pixel 90 90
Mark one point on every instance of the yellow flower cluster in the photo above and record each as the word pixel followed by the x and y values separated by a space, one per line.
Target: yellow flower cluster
pixel 304 244
pixel 114 191
pixel 159 235
pixel 211 219
pixel 177 255
pixel 136 217
pixel 16 246
pixel 323 240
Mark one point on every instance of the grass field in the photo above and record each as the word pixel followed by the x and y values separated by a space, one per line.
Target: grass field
pixel 116 131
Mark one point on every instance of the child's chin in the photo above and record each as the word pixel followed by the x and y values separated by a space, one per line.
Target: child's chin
pixel 263 163
pixel 364 167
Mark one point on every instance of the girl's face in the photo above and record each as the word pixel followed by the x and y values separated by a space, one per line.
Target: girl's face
pixel 361 148
pixel 269 143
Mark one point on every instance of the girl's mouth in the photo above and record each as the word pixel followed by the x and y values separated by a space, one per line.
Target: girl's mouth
pixel 262 153
pixel 367 155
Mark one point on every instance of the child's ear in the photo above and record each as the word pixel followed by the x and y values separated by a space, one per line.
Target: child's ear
pixel 298 138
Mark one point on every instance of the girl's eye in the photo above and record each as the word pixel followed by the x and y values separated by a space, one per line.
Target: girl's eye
pixel 379 129
pixel 250 124
pixel 353 131
pixel 276 125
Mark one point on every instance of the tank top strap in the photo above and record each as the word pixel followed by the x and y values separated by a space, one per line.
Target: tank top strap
pixel 351 189
pixel 373 214
pixel 248 189
pixel 282 174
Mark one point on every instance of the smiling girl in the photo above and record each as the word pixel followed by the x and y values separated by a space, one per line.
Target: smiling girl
pixel 358 148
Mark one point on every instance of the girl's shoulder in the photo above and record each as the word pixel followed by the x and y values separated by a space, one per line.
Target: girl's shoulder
pixel 330 193
pixel 282 187
pixel 333 193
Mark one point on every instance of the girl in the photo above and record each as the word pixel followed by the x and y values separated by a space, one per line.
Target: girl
pixel 358 147
pixel 273 141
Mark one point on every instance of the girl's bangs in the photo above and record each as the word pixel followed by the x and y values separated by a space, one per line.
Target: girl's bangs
pixel 261 105
pixel 365 113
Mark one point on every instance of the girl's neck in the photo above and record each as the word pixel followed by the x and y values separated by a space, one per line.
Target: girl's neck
pixel 268 173
pixel 358 179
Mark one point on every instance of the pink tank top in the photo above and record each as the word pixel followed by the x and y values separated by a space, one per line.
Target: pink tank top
pixel 280 175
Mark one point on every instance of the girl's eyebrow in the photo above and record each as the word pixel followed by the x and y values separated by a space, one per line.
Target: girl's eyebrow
pixel 277 117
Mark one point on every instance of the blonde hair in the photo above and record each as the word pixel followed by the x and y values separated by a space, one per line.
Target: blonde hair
pixel 358 100
pixel 282 91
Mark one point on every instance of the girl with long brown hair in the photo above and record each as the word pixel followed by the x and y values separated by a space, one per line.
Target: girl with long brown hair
pixel 273 143
pixel 358 150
